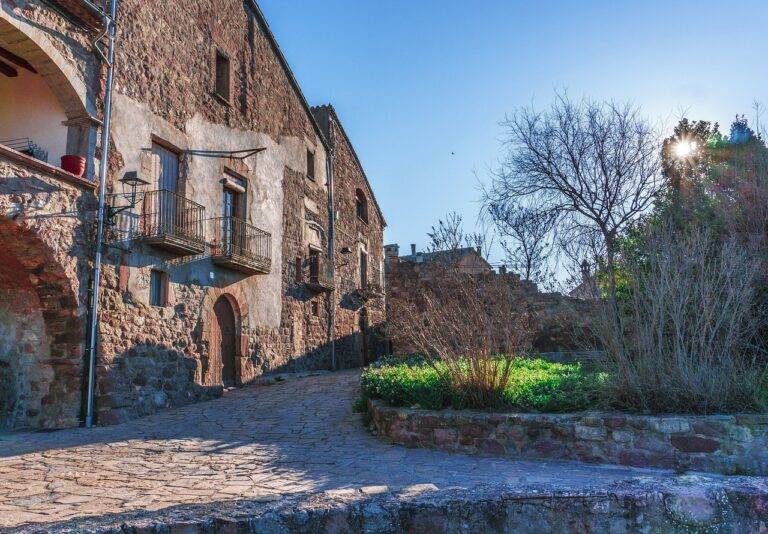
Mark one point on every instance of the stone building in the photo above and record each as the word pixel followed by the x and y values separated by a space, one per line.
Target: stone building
pixel 466 259
pixel 222 262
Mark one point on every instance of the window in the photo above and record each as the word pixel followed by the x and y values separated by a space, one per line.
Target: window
pixel 299 273
pixel 310 165
pixel 361 205
pixel 315 308
pixel 167 173
pixel 158 288
pixel 363 270
pixel 222 75
pixel 314 265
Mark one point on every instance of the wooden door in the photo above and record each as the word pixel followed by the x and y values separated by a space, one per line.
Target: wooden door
pixel 223 350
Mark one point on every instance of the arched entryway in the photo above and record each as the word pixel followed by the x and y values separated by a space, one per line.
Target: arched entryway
pixel 224 342
pixel 224 338
pixel 41 334
pixel 46 108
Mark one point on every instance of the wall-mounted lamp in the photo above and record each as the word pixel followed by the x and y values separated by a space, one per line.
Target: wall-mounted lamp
pixel 133 181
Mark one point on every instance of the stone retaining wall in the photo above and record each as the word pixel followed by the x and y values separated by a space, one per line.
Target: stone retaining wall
pixel 729 444
pixel 683 504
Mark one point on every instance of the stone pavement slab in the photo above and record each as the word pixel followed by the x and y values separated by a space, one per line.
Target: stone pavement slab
pixel 259 443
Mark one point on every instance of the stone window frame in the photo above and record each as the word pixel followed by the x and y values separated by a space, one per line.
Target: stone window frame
pixel 230 172
pixel 165 288
pixel 182 158
pixel 218 54
pixel 361 205
pixel 311 164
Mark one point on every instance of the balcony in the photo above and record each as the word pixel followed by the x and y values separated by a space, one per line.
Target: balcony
pixel 171 222
pixel 86 12
pixel 369 285
pixel 318 277
pixel 240 246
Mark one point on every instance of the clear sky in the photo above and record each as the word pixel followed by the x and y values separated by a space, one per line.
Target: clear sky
pixel 421 85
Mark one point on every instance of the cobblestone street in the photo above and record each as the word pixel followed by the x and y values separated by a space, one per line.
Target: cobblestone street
pixel 295 436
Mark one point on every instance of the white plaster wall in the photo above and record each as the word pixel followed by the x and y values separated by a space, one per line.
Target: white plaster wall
pixel 133 127
pixel 28 108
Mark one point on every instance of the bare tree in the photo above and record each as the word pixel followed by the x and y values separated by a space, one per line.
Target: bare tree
pixel 526 238
pixel 595 164
pixel 447 235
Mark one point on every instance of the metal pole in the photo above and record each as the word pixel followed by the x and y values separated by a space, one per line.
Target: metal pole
pixel 103 167
pixel 331 244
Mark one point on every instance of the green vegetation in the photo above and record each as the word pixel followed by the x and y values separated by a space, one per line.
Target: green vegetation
pixel 535 385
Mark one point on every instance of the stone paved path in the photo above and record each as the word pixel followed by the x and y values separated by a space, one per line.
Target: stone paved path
pixel 295 436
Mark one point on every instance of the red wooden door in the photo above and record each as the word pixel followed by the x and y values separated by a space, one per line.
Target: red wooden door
pixel 223 350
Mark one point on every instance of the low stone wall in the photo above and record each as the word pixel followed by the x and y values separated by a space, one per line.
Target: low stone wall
pixel 682 504
pixel 728 444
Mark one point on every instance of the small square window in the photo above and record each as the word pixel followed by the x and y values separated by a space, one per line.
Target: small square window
pixel 222 75
pixel 310 165
pixel 158 288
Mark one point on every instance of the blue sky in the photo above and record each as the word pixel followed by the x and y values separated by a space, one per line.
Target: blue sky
pixel 421 85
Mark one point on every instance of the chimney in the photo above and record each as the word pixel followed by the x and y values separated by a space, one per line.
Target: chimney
pixel 502 269
pixel 413 249
pixel 479 250
pixel 585 274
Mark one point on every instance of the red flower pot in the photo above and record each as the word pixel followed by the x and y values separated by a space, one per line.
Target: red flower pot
pixel 73 164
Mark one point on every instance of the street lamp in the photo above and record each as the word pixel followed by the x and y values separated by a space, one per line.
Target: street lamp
pixel 133 181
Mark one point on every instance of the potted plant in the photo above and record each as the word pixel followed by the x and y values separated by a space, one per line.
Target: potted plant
pixel 73 164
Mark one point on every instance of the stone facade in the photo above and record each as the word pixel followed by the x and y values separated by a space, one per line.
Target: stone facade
pixel 204 101
pixel 359 306
pixel 729 444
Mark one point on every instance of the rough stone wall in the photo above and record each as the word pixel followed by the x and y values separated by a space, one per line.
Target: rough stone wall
pixel 729 444
pixel 166 56
pixel 644 504
pixel 43 279
pixel 354 234
pixel 558 323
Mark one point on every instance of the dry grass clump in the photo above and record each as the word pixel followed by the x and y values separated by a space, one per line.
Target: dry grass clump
pixel 467 328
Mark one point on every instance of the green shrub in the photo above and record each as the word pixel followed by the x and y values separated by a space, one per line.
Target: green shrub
pixel 535 385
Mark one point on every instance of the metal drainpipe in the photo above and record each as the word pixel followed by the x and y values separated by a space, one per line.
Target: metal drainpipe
pixel 103 166
pixel 331 245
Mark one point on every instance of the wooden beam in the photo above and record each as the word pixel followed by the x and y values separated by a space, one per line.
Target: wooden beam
pixel 17 60
pixel 8 70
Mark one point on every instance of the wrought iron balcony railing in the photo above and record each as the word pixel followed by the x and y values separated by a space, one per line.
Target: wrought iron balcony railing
pixel 162 218
pixel 27 146
pixel 170 221
pixel 241 246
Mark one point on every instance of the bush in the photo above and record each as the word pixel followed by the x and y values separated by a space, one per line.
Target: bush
pixel 535 385
pixel 686 337
pixel 464 325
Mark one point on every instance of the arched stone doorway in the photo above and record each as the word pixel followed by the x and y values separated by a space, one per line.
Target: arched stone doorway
pixel 41 334
pixel 224 338
pixel 224 341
